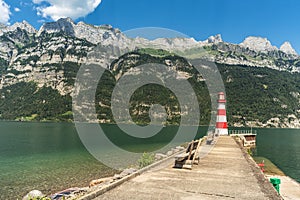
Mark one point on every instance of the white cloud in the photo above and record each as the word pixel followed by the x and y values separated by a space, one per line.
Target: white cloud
pixel 5 12
pixel 71 8
pixel 17 9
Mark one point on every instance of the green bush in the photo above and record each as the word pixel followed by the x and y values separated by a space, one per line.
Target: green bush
pixel 146 159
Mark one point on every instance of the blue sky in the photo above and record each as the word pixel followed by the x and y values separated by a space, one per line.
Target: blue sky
pixel 233 19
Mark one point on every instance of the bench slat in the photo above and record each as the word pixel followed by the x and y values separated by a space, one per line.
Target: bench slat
pixel 187 159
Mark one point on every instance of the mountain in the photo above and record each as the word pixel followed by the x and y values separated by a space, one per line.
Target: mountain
pixel 287 48
pixel 103 34
pixel 38 70
pixel 258 44
pixel 23 25
pixel 214 39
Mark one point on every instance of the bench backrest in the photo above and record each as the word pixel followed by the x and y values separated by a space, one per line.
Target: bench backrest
pixel 192 145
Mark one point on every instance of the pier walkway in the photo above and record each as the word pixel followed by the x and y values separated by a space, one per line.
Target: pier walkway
pixel 225 173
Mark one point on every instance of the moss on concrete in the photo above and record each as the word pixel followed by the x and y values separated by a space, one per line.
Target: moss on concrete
pixel 270 168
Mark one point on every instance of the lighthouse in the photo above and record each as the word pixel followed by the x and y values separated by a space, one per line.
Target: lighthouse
pixel 221 122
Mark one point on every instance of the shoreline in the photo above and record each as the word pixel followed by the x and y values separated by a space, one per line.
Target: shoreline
pixel 107 183
pixel 72 122
pixel 67 122
pixel 156 165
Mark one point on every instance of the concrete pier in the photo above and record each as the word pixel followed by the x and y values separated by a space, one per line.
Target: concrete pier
pixel 289 188
pixel 227 172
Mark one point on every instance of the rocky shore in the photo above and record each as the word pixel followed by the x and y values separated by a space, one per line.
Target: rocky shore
pixel 290 189
pixel 101 185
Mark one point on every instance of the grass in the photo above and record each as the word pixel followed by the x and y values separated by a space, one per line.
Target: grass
pixel 68 113
pixel 27 118
pixel 270 168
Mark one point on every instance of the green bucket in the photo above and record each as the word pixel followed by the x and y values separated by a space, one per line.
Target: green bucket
pixel 276 182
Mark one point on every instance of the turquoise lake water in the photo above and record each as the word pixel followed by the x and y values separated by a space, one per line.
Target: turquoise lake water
pixel 50 156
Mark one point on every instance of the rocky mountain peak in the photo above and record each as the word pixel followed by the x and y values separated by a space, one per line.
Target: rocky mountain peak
pixel 25 26
pixel 22 25
pixel 65 20
pixel 287 48
pixel 215 39
pixel 104 34
pixel 65 25
pixel 258 44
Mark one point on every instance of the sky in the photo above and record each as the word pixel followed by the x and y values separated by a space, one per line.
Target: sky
pixel 277 20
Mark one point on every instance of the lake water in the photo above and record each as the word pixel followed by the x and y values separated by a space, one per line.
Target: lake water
pixel 43 156
pixel 282 147
pixel 50 156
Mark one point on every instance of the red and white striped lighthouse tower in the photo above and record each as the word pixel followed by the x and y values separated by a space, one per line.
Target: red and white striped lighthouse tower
pixel 221 123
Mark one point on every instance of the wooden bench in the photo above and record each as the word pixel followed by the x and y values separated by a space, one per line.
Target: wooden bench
pixel 191 155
